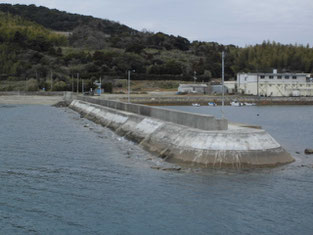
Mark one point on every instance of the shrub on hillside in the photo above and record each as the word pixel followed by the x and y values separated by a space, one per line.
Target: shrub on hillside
pixel 169 85
pixel 32 85
pixel 107 87
pixel 59 86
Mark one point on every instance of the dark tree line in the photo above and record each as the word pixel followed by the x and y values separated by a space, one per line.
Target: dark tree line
pixel 95 47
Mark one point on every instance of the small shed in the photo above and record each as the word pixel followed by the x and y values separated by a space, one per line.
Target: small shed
pixel 193 88
pixel 218 89
pixel 231 86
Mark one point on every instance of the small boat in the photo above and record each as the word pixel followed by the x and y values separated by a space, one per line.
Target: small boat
pixel 212 104
pixel 196 105
pixel 236 103
pixel 250 104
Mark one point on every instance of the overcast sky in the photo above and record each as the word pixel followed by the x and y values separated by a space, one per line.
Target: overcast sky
pixel 239 22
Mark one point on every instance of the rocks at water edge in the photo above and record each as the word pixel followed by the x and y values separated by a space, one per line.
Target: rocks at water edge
pixel 166 168
pixel 308 151
pixel 61 104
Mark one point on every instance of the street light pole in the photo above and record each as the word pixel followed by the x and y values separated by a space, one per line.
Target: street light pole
pixel 223 55
pixel 128 81
pixel 100 85
pixel 77 83
pixel 51 76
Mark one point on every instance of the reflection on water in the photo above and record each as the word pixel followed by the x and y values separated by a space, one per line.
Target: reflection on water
pixel 60 174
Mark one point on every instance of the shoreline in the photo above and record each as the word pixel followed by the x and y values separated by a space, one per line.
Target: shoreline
pixel 50 98
pixel 30 99
pixel 160 100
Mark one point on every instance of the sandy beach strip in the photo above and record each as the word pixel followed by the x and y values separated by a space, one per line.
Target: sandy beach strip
pixel 19 99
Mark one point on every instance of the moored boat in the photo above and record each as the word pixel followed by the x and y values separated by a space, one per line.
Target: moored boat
pixel 236 103
pixel 250 104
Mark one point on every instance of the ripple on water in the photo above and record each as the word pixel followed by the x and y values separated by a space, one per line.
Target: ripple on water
pixel 62 174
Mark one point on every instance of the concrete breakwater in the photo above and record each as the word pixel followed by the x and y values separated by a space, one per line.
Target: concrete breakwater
pixel 220 145
pixel 204 122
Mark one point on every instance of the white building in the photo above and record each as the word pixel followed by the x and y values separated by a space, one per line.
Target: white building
pixel 231 86
pixel 217 89
pixel 275 84
pixel 193 88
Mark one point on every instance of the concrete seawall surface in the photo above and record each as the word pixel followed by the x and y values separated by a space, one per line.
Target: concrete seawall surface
pixel 235 147
pixel 204 122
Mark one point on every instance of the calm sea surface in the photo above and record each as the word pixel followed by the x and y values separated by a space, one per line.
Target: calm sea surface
pixel 60 174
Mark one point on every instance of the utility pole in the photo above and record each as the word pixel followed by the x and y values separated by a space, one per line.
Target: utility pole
pixel 257 82
pixel 72 82
pixel 100 85
pixel 129 84
pixel 128 80
pixel 223 55
pixel 51 79
pixel 82 86
pixel 77 83
pixel 194 76
pixel 257 85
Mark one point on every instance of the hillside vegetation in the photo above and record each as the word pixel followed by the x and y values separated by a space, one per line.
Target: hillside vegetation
pixel 27 49
pixel 33 46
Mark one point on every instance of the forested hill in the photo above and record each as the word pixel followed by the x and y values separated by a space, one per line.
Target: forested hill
pixel 60 20
pixel 87 31
pixel 32 46
pixel 95 33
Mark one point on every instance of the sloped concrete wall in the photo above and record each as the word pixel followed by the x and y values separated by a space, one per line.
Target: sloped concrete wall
pixel 203 122
pixel 236 147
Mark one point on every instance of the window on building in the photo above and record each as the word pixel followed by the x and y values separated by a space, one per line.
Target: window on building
pixel 279 77
pixel 262 76
pixel 271 77
pixel 294 77
pixel 286 77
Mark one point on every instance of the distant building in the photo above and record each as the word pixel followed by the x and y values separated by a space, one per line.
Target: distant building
pixel 274 84
pixel 193 88
pixel 231 86
pixel 217 89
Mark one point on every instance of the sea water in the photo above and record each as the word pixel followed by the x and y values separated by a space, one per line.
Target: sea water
pixel 61 174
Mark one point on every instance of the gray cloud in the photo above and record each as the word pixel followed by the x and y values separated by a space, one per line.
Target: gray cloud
pixel 239 22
